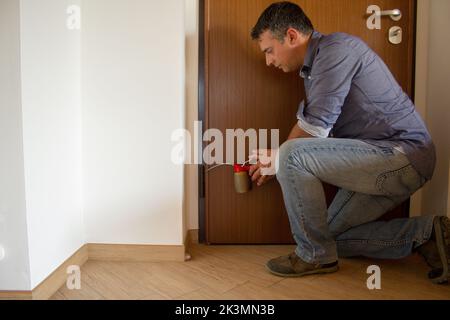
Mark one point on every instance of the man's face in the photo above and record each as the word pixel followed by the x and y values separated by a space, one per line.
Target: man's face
pixel 287 55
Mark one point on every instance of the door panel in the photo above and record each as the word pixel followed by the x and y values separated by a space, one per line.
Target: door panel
pixel 242 93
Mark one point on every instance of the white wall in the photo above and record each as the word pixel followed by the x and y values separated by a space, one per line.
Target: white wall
pixel 51 109
pixel 436 194
pixel 14 267
pixel 104 164
pixel 133 99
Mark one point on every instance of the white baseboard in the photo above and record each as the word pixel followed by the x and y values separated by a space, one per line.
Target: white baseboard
pixel 102 252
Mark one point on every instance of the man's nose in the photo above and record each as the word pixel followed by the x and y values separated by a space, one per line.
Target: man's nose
pixel 269 61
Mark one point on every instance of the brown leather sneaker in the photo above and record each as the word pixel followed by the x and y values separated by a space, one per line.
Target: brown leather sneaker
pixel 430 253
pixel 437 251
pixel 442 235
pixel 292 266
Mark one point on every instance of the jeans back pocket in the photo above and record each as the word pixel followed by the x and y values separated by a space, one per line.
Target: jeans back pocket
pixel 402 182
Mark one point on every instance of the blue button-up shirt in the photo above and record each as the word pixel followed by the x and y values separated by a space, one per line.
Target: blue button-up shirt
pixel 351 94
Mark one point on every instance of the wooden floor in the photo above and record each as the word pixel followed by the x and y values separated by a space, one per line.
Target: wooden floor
pixel 238 272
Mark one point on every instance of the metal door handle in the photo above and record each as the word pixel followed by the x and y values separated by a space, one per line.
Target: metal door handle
pixel 395 14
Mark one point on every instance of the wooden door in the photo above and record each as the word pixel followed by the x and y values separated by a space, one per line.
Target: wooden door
pixel 240 91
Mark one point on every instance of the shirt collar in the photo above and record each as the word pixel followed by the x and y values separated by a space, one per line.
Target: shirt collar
pixel 311 53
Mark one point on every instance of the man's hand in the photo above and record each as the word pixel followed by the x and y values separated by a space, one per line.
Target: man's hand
pixel 264 170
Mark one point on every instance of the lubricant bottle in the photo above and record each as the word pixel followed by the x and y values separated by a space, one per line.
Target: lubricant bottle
pixel 242 179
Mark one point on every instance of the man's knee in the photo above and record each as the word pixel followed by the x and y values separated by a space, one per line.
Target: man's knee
pixel 284 155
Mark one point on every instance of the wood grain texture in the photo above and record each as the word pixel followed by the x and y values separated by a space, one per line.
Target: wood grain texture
pixel 95 253
pixel 241 92
pixel 238 273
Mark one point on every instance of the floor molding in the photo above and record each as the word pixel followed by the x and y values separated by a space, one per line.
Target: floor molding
pixel 51 285
pixel 135 253
pixel 47 288
pixel 103 252
pixel 191 239
pixel 193 236
pixel 16 295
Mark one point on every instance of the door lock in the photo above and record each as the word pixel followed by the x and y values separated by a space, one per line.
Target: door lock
pixel 395 35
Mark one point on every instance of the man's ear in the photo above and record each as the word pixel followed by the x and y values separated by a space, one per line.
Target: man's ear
pixel 292 36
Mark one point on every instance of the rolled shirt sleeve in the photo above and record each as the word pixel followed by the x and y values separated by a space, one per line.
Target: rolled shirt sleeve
pixel 327 88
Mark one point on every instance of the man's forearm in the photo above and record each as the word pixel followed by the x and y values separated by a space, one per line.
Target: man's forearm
pixel 298 133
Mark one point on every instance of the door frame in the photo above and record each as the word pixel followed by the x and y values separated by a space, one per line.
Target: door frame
pixel 202 87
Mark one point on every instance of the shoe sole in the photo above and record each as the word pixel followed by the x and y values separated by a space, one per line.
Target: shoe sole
pixel 443 242
pixel 308 273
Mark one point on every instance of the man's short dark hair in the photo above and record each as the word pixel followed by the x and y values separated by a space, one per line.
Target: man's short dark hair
pixel 281 16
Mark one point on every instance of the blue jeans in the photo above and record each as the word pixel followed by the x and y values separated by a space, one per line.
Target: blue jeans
pixel 372 181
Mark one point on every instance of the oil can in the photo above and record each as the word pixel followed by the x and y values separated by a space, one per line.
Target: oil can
pixel 242 179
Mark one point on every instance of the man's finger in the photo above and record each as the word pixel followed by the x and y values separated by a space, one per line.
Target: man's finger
pixel 262 180
pixel 256 175
pixel 265 179
pixel 253 169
